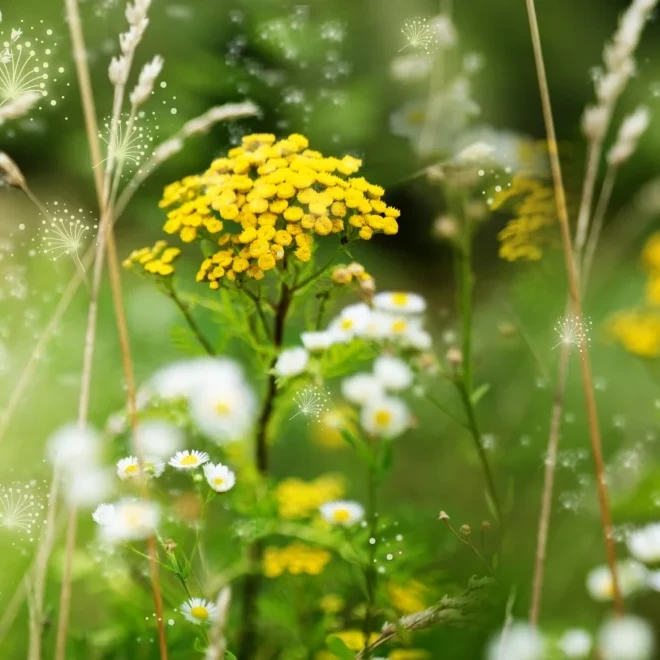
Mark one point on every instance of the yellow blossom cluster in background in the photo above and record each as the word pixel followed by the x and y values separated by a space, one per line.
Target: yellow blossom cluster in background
pixel 638 330
pixel 533 205
pixel 354 639
pixel 328 431
pixel 296 559
pixel 268 198
pixel 299 499
pixel 156 260
pixel 407 598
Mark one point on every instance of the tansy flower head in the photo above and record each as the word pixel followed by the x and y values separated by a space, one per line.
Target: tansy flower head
pixel 219 477
pixel 269 197
pixel 296 559
pixel 188 459
pixel 298 499
pixel 342 512
pixel 157 260
pixel 199 611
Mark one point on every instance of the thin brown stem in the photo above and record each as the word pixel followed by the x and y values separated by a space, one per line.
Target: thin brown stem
pixel 190 320
pixel 576 301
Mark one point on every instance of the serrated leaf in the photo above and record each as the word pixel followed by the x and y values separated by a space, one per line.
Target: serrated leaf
pixel 343 358
pixel 184 341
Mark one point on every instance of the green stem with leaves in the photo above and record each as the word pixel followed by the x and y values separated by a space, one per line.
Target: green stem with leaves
pixel 192 324
pixel 370 573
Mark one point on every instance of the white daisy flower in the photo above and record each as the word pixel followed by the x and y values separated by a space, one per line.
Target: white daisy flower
pixel 132 520
pixel 317 341
pixel 633 577
pixel 394 374
pixel 224 409
pixel 219 477
pixel 476 153
pixel 626 638
pixel 576 643
pixel 188 459
pixel 644 544
pixel 417 338
pixel 153 466
pixel 520 641
pixel 73 447
pixel 351 322
pixel 291 362
pixel 128 468
pixel 399 302
pixel 103 514
pixel 88 487
pixel 159 438
pixel 342 512
pixel 412 67
pixel 362 388
pixel 386 417
pixel 199 611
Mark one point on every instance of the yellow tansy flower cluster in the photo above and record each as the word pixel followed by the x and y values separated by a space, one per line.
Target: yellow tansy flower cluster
pixel 156 260
pixel 343 274
pixel 407 598
pixel 299 499
pixel 268 198
pixel 534 208
pixel 296 559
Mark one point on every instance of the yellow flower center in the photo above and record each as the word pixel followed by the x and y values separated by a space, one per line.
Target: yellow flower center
pixel 218 481
pixel 416 117
pixel 341 515
pixel 200 612
pixel 131 469
pixel 190 459
pixel 347 324
pixel 222 408
pixel 399 326
pixel 400 299
pixel 383 417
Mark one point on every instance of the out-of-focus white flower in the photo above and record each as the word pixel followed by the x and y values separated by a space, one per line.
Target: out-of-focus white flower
pixel 128 468
pixel 188 459
pixel 393 373
pixel 224 406
pixel 317 341
pixel 153 466
pixel 132 520
pixel 73 447
pixel 627 638
pixel 351 322
pixel 87 487
pixel 199 611
pixel 291 362
pixel 417 338
pixel 411 68
pixel 362 388
pixel 386 417
pixel 576 643
pixel 158 438
pixel 475 154
pixel 653 580
pixel 103 514
pixel 342 512
pixel 633 576
pixel 400 302
pixel 519 641
pixel 644 544
pixel 219 477
pixel 444 31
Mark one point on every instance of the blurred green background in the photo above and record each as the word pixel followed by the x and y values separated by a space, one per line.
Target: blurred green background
pixel 216 52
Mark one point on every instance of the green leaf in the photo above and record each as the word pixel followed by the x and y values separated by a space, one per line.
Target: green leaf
pixel 479 393
pixel 336 646
pixel 230 656
pixel 358 444
pixel 343 358
pixel 185 342
pixel 384 461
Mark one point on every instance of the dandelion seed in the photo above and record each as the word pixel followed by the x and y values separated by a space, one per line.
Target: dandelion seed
pixel 130 144
pixel 20 510
pixel 573 332
pixel 312 401
pixel 419 35
pixel 64 232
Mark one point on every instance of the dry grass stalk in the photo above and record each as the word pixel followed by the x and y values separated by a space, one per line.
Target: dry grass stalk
pixel 576 305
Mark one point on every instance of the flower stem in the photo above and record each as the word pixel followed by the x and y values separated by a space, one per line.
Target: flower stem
pixel 192 324
pixel 576 301
pixel 370 573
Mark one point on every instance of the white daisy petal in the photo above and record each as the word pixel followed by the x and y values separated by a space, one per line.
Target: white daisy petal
pixel 219 477
pixel 342 512
pixel 188 459
pixel 199 611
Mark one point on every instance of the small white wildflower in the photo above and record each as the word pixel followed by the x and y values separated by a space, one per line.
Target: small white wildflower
pixel 644 544
pixel 87 487
pixel 576 643
pixel 394 374
pixel 627 638
pixel 188 459
pixel 351 322
pixel 632 577
pixel 362 388
pixel 317 341
pixel 73 447
pixel 399 302
pixel 411 68
pixel 199 611
pixel 153 466
pixel 475 154
pixel 159 439
pixel 342 512
pixel 132 520
pixel 519 641
pixel 444 31
pixel 291 362
pixel 128 468
pixel 386 417
pixel 103 514
pixel 219 477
